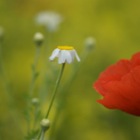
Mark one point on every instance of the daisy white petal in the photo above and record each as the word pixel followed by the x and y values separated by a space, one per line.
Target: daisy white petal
pixel 72 54
pixel 65 54
pixel 55 53
pixel 61 58
pixel 68 57
pixel 76 55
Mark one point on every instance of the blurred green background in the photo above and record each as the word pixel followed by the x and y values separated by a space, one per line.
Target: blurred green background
pixel 115 26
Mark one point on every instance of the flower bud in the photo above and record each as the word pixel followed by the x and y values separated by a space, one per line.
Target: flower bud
pixel 38 39
pixel 45 124
pixel 1 33
pixel 90 43
pixel 35 101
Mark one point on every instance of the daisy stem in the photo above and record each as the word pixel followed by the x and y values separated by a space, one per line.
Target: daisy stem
pixel 52 99
pixel 55 90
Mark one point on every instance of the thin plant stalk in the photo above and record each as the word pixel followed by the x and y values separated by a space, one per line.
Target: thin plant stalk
pixel 44 87
pixel 34 73
pixel 42 135
pixel 53 95
pixel 35 117
pixel 32 85
pixel 55 90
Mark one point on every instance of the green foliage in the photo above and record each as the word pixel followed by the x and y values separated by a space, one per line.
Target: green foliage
pixel 115 26
pixel 32 135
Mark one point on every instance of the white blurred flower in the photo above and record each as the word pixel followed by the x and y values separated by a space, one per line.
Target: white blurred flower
pixel 49 19
pixel 65 54
pixel 90 43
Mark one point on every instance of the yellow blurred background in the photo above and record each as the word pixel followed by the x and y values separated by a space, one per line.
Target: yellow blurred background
pixel 115 24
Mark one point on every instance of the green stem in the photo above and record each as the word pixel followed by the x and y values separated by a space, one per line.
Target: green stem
pixel 32 85
pixel 55 90
pixel 34 73
pixel 53 96
pixel 62 99
pixel 42 135
pixel 35 117
pixel 64 91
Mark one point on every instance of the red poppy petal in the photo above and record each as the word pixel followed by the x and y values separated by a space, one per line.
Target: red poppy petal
pixel 128 86
pixel 135 72
pixel 124 94
pixel 135 60
pixel 120 86
pixel 114 72
pixel 126 107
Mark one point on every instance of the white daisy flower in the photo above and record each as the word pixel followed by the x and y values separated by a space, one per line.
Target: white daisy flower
pixel 49 19
pixel 65 54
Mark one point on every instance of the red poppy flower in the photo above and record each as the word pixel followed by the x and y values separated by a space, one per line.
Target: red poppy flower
pixel 119 85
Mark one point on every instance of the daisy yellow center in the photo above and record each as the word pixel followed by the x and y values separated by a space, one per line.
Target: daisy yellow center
pixel 65 47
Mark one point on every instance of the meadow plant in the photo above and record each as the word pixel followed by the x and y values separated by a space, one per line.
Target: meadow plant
pixel 65 54
pixel 37 121
pixel 118 84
